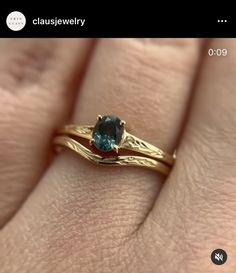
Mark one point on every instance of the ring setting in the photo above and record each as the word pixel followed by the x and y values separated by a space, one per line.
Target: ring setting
pixel 107 133
pixel 108 139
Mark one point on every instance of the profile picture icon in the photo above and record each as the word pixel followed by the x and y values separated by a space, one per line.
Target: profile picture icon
pixel 16 20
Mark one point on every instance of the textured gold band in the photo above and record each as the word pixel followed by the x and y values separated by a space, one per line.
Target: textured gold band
pixel 129 142
pixel 147 155
pixel 131 160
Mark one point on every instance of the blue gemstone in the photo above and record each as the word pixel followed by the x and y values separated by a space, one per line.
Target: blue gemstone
pixel 107 132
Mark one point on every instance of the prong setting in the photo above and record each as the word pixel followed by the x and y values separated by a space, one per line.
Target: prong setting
pixel 99 117
pixel 116 148
pixel 122 122
pixel 91 142
pixel 107 133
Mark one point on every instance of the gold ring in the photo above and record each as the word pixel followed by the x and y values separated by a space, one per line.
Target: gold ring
pixel 108 138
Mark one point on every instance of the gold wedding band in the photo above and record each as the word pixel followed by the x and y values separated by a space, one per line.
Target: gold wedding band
pixel 109 139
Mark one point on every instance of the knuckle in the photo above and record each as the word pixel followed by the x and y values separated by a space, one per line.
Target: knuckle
pixel 23 62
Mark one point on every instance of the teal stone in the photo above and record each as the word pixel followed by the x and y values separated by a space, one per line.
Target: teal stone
pixel 107 133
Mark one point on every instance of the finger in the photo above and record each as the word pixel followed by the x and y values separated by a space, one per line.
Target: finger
pixel 144 82
pixel 36 83
pixel 199 198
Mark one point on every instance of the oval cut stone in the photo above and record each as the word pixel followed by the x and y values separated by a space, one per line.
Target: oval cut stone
pixel 107 133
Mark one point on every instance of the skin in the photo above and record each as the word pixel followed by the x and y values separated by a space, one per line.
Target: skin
pixel 59 213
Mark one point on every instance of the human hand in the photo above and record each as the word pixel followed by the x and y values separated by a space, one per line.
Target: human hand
pixel 60 213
